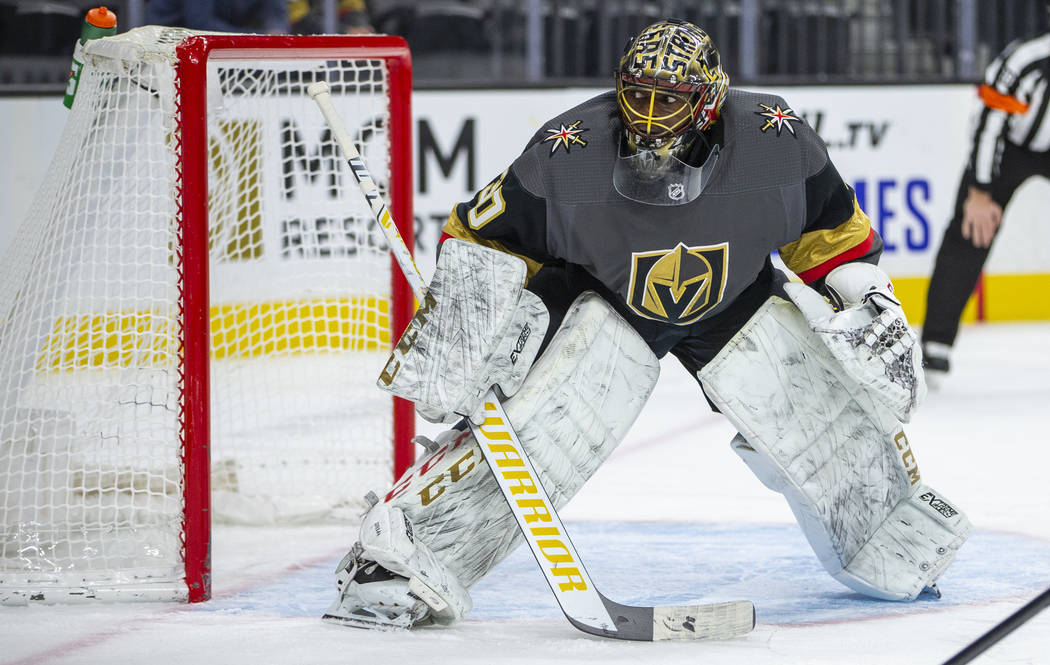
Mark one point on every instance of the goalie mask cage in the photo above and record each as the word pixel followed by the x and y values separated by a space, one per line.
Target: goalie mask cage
pixel 194 314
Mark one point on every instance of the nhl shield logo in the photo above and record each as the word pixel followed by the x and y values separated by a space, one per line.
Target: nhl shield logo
pixel 678 285
pixel 675 191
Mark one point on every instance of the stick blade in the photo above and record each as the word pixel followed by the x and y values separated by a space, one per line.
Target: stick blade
pixel 718 621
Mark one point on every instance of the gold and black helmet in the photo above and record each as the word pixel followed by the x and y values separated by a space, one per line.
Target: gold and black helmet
pixel 670 80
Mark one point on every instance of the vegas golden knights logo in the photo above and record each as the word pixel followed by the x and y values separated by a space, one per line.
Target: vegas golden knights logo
pixel 678 285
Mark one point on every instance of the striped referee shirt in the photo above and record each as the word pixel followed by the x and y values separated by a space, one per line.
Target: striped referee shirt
pixel 1015 98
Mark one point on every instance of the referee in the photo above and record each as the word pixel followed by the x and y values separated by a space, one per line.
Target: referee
pixel 1011 143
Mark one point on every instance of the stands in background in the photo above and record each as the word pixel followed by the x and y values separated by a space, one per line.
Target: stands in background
pixel 449 40
pixel 36 41
pixel 35 46
pixel 488 42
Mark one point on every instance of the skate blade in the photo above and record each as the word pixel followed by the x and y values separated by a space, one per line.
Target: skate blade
pixel 363 617
pixel 366 623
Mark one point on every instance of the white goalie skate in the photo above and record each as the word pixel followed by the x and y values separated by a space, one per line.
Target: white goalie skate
pixel 372 597
pixel 391 580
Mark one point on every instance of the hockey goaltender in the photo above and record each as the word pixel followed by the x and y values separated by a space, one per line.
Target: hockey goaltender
pixel 640 223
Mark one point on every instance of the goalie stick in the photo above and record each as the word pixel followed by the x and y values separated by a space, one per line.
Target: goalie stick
pixel 583 605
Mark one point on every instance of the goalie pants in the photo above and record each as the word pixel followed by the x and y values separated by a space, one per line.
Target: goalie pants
pixel 959 263
pixel 694 346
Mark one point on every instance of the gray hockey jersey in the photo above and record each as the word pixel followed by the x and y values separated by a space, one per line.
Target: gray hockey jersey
pixel 772 188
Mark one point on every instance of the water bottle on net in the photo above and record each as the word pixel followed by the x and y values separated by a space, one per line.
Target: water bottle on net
pixel 99 22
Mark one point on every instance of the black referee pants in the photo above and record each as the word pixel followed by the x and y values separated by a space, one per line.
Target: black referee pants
pixel 959 263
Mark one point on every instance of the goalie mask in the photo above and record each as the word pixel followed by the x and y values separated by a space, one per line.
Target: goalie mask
pixel 670 87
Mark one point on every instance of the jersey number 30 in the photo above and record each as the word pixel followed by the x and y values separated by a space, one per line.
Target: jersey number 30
pixel 490 204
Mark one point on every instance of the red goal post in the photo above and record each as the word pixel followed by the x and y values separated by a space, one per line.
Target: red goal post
pixel 194 313
pixel 193 54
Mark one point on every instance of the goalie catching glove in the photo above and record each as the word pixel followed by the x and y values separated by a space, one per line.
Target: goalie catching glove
pixel 868 334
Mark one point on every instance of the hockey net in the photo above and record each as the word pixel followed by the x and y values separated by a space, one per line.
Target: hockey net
pixel 199 273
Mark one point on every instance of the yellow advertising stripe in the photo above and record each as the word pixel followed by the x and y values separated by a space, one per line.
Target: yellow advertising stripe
pixel 110 339
pixel 144 338
pixel 283 328
pixel 1017 297
pixel 911 291
pixel 1020 297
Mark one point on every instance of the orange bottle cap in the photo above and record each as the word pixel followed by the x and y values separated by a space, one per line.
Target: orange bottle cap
pixel 100 17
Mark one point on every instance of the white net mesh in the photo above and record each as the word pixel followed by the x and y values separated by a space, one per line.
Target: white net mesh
pixel 91 387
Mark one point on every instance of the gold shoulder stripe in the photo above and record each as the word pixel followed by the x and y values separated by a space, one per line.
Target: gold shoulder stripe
pixel 455 228
pixel 817 247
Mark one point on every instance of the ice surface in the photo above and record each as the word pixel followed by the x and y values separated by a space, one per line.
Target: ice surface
pixel 674 516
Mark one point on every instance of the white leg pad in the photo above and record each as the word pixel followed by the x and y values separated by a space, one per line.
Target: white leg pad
pixel 573 409
pixel 837 454
pixel 914 536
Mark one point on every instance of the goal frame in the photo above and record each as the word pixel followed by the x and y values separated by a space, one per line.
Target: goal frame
pixel 193 55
